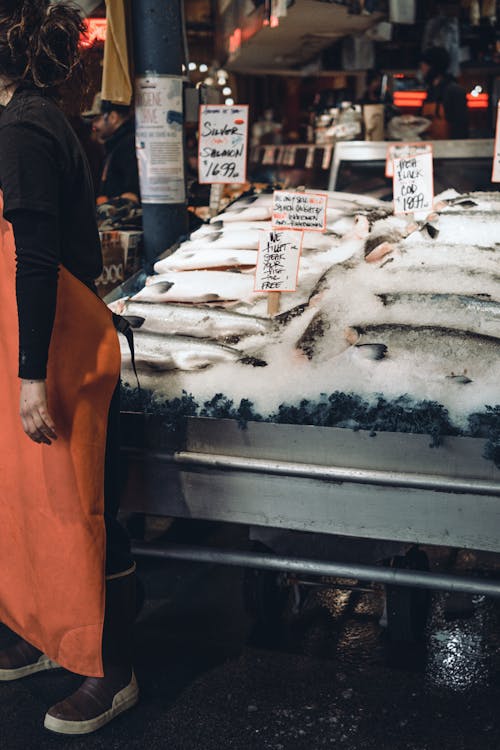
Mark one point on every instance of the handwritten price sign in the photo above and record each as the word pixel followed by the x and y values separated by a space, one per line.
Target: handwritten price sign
pixel 413 184
pixel 223 141
pixel 404 151
pixel 299 211
pixel 278 261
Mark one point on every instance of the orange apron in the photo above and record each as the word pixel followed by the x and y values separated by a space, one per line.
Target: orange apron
pixel 439 129
pixel 52 533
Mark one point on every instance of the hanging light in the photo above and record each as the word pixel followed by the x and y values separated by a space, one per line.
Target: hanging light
pixel 229 102
pixel 203 68
pixel 192 66
pixel 209 81
pixel 227 91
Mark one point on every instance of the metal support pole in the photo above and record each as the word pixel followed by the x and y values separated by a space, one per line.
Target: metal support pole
pixel 158 34
pixel 390 576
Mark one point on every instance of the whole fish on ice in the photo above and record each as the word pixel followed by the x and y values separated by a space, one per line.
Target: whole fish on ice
pixel 434 349
pixel 474 314
pixel 200 322
pixel 196 286
pixel 191 260
pixel 162 353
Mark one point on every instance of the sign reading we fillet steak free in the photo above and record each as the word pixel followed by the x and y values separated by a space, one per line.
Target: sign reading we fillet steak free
pixel 223 143
pixel 278 261
pixel 299 211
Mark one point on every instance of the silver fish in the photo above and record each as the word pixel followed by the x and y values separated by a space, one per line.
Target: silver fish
pixel 474 314
pixel 436 348
pixel 194 321
pixel 163 353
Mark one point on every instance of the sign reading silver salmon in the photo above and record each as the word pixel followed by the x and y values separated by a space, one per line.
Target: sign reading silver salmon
pixel 413 184
pixel 299 211
pixel 223 143
pixel 278 261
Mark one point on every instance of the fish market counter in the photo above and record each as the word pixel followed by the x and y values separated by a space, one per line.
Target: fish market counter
pixel 391 486
pixel 393 330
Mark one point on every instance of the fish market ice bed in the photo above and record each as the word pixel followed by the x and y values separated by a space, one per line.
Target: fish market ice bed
pixel 386 305
pixel 393 317
pixel 319 479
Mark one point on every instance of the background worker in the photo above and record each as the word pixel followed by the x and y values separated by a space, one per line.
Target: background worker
pixel 446 103
pixel 114 127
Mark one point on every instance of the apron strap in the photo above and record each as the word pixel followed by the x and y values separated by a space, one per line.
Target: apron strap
pixel 123 326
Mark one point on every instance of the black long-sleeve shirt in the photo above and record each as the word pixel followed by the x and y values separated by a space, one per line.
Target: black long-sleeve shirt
pixel 48 196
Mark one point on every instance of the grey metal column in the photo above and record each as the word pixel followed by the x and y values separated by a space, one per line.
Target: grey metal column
pixel 157 31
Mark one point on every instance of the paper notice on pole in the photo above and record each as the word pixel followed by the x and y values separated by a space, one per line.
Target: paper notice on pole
pixel 160 138
pixel 403 151
pixel 413 184
pixel 223 143
pixel 278 261
pixel 299 211
pixel 496 153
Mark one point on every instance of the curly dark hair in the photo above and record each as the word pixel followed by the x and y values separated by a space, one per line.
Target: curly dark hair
pixel 39 42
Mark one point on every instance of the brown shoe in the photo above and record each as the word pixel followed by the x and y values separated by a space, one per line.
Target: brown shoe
pixel 100 699
pixel 22 659
pixel 95 703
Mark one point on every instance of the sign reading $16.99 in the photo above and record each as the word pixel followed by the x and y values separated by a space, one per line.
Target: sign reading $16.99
pixel 223 141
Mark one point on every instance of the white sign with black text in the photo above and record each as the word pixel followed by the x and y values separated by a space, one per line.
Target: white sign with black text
pixel 413 184
pixel 223 143
pixel 278 261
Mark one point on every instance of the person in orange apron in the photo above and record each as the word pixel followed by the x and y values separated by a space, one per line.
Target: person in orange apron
pixel 446 103
pixel 67 583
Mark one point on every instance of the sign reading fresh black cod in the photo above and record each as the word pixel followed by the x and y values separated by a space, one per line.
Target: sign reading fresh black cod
pixel 413 184
pixel 223 142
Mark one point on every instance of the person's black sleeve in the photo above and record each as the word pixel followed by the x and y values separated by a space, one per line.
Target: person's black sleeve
pixel 29 177
pixel 29 170
pixel 456 112
pixel 37 250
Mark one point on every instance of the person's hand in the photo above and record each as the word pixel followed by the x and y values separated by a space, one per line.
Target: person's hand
pixel 37 422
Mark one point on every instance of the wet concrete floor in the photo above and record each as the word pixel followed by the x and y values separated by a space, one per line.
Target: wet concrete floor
pixel 325 676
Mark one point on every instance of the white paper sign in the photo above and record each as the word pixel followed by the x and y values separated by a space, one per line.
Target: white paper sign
pixel 327 157
pixel 160 138
pixel 223 142
pixel 413 184
pixel 268 156
pixel 403 151
pixel 278 261
pixel 495 177
pixel 310 157
pixel 299 211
